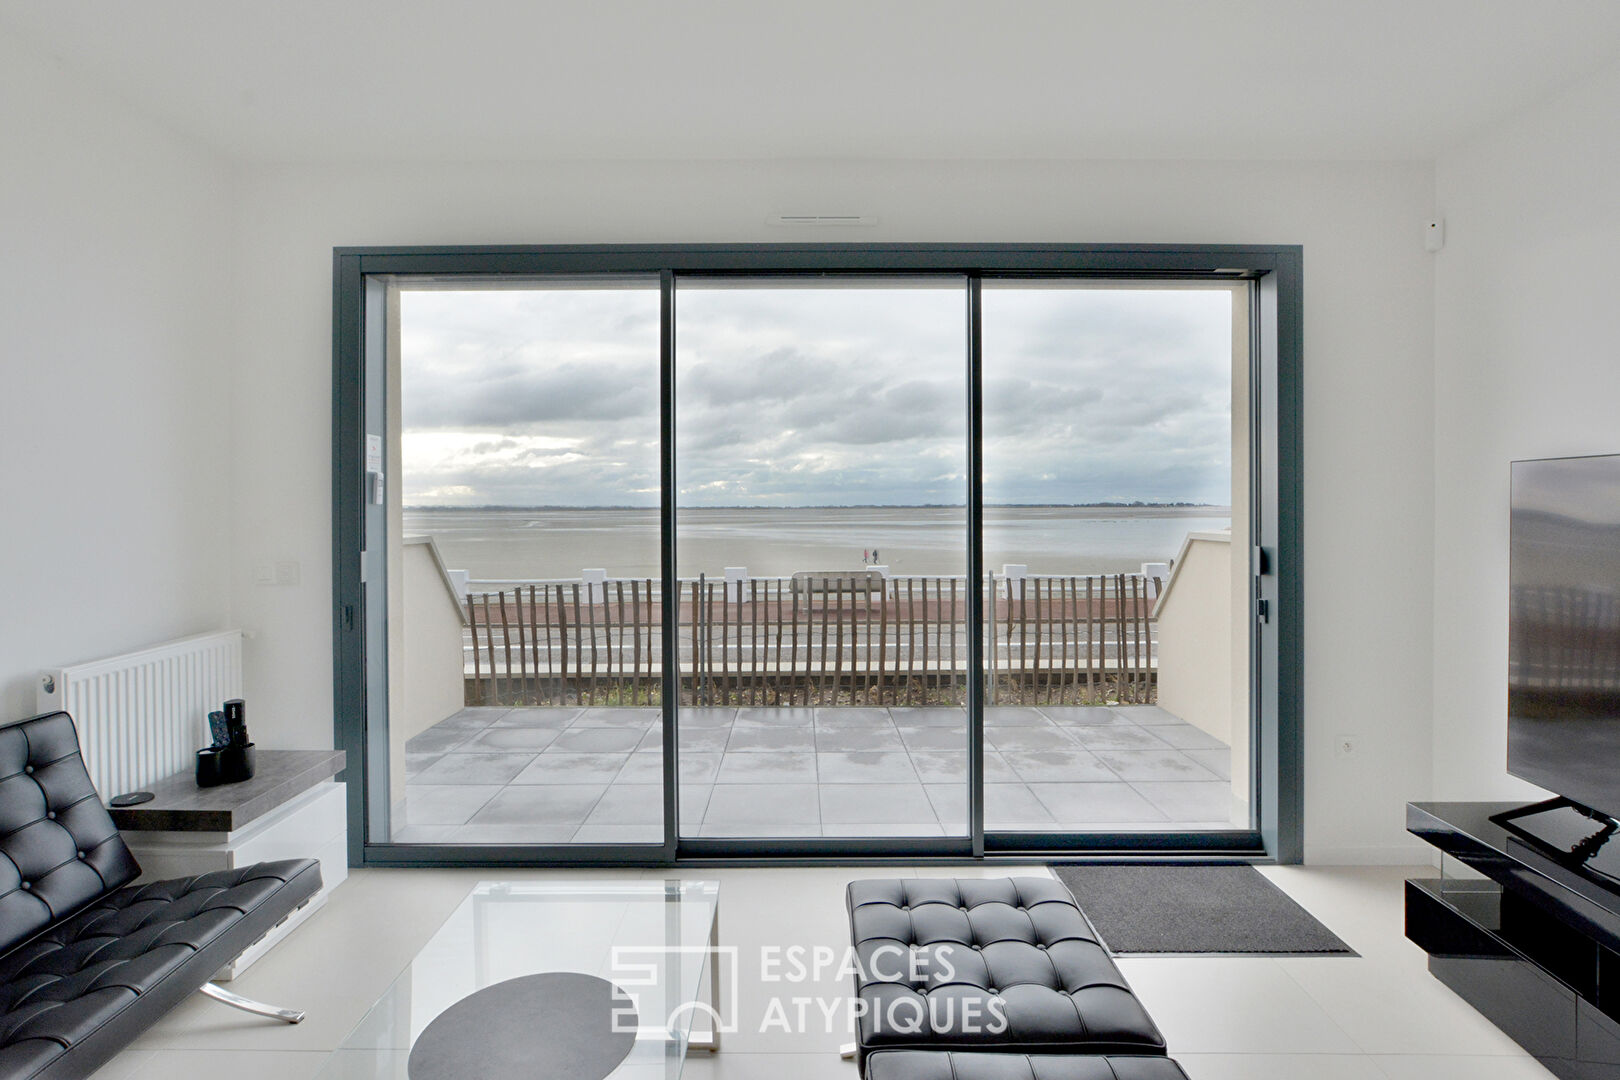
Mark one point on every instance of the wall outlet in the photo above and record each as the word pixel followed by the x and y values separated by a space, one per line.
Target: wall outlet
pixel 1346 745
pixel 283 572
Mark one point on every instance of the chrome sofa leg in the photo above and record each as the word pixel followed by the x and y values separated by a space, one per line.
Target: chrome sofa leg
pixel 258 1008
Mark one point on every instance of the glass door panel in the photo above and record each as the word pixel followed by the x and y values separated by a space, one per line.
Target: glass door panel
pixel 1116 552
pixel 524 563
pixel 821 523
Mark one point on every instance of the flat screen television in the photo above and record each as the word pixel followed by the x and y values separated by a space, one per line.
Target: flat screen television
pixel 1564 629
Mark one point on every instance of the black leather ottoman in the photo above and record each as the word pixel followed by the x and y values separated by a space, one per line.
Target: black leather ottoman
pixel 1001 964
pixel 968 1065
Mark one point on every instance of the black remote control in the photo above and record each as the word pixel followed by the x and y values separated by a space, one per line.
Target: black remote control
pixel 236 722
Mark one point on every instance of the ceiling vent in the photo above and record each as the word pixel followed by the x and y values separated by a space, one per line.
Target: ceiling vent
pixel 821 221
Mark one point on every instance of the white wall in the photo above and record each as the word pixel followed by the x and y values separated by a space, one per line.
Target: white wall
pixel 431 659
pixel 1369 389
pixel 115 286
pixel 1527 364
pixel 1195 636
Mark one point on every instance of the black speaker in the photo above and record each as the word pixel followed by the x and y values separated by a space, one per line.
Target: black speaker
pixel 236 722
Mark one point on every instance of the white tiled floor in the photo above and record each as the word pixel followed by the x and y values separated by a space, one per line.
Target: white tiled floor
pixel 1379 1016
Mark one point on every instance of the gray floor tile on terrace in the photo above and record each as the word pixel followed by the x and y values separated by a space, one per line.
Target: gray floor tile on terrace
pixel 1057 766
pixel 449 804
pixel 1187 737
pixel 692 740
pixel 1048 737
pixel 762 805
pixel 630 804
pixel 934 738
pixel 1217 761
pixel 457 768
pixel 540 804
pixel 1146 715
pixel 498 739
pixel 597 740
pixel 1181 800
pixel 1116 737
pixel 880 738
pixel 565 767
pixel 1015 716
pixel 865 767
pixel 555 719
pixel 874 804
pixel 1083 714
pixel 918 717
pixel 1153 765
pixel 748 735
pixel 757 768
pixel 570 775
pixel 634 719
pixel 437 740
pixel 1111 804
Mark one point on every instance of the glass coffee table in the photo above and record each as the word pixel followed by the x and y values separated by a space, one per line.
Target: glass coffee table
pixel 655 940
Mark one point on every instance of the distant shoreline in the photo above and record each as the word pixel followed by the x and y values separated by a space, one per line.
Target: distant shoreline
pixel 858 506
pixel 527 543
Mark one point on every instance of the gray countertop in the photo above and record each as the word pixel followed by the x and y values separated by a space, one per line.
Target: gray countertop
pixel 181 806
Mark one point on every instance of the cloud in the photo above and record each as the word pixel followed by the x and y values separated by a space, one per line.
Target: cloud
pixel 816 396
pixel 782 374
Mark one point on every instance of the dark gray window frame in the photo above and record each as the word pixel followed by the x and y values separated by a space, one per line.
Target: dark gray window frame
pixel 1277 670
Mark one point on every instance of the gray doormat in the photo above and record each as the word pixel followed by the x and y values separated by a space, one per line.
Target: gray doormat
pixel 1177 908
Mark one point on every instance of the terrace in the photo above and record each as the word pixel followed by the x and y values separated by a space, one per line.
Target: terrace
pixel 813 705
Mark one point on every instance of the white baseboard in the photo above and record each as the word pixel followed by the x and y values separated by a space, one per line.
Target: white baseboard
pixel 1415 853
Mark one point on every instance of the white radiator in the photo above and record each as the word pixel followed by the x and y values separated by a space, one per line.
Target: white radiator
pixel 144 715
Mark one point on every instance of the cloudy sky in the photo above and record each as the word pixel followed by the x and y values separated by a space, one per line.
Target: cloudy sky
pixel 794 396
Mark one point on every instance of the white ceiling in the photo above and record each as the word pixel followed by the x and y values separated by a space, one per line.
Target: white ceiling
pixel 347 80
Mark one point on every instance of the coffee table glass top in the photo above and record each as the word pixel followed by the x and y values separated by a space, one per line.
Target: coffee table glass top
pixel 653 939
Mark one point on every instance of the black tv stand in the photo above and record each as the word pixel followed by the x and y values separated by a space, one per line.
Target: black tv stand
pixel 1527 927
pixel 1574 834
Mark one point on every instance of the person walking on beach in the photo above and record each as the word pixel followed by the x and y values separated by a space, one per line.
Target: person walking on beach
pixel 874 557
pixel 866 557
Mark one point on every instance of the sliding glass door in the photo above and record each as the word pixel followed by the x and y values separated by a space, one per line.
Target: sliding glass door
pixel 817 552
pixel 524 698
pixel 821 489
pixel 1116 523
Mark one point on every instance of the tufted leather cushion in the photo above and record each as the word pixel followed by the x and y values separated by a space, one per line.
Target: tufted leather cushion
pixel 74 995
pixel 60 848
pixel 939 1065
pixel 989 964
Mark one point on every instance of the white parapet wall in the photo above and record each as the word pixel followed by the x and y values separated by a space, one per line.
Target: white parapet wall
pixel 1195 635
pixel 1203 652
pixel 433 686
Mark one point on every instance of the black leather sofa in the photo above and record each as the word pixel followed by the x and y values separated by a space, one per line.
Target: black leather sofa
pixel 1003 978
pixel 88 961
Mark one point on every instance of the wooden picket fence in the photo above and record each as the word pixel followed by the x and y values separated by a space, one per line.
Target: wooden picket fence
pixel 806 640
